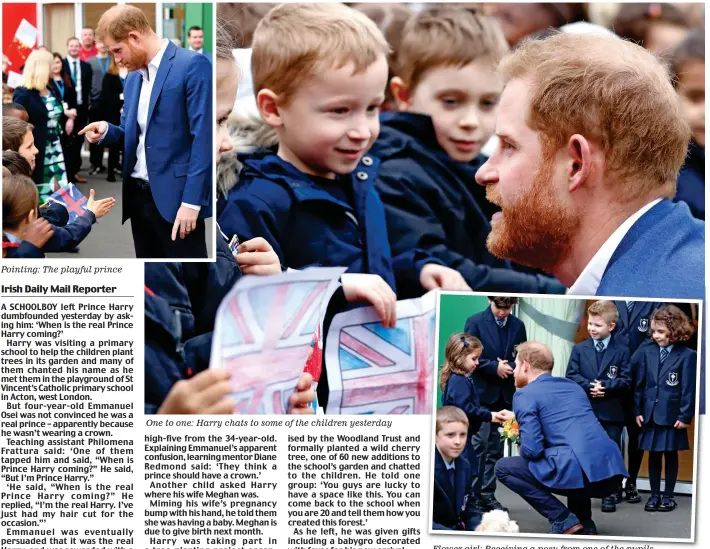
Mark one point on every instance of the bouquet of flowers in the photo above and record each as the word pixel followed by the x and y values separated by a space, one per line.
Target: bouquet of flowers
pixel 510 431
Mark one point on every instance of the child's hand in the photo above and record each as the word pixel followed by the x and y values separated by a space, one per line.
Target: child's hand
pixel 435 276
pixel 257 257
pixel 38 232
pixel 203 394
pixel 496 417
pixel 504 369
pixel 597 389
pixel 99 207
pixel 506 415
pixel 299 403
pixel 680 425
pixel 374 290
pixel 639 421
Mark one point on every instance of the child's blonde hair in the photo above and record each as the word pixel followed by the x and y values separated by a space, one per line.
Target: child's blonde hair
pixel 36 73
pixel 614 93
pixel 457 349
pixel 293 41
pixel 450 414
pixel 447 36
pixel 675 320
pixel 605 309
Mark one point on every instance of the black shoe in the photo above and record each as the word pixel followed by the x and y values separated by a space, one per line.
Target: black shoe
pixel 74 250
pixel 619 495
pixel 111 177
pixel 589 528
pixel 667 504
pixel 609 504
pixel 652 504
pixel 490 503
pixel 632 494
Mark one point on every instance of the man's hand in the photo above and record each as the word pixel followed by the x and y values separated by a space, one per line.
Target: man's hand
pixel 38 232
pixel 185 222
pixel 69 126
pixel 70 113
pixel 99 207
pixel 299 403
pixel 504 370
pixel 257 257
pixel 435 276
pixel 639 421
pixel 497 417
pixel 374 290
pixel 203 394
pixel 94 132
pixel 506 415
pixel 680 425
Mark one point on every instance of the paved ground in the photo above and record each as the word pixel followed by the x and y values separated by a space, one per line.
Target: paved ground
pixel 629 520
pixel 108 238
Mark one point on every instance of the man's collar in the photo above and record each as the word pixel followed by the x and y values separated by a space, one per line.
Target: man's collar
pixel 70 58
pixel 161 52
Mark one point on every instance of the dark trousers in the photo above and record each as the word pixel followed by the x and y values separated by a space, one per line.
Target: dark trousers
pixel 635 455
pixel 515 474
pixel 96 152
pixel 152 235
pixel 614 431
pixel 77 142
pixel 489 449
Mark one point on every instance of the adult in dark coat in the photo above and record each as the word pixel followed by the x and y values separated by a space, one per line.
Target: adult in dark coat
pixel 62 88
pixel 81 75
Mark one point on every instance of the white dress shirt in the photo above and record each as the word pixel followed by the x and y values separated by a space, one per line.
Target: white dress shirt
pixel 588 282
pixel 77 75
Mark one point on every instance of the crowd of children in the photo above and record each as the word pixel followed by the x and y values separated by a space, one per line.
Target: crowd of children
pixel 636 361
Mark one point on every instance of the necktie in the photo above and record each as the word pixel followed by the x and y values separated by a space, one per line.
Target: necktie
pixel 452 478
pixel 500 323
pixel 630 305
pixel 600 346
pixel 75 71
pixel 664 355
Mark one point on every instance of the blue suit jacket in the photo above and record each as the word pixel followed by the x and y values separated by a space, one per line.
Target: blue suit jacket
pixel 663 255
pixel 178 141
pixel 460 391
pixel 614 372
pixel 665 394
pixel 561 437
pixel 634 327
pixel 454 505
pixel 691 181
pixel 488 385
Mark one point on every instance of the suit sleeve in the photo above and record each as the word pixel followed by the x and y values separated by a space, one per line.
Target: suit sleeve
pixel 486 368
pixel 638 366
pixel 436 526
pixel 574 370
pixel 687 398
pixel 622 382
pixel 71 235
pixel 532 441
pixel 198 187
pixel 471 515
pixel 412 223
pixel 458 393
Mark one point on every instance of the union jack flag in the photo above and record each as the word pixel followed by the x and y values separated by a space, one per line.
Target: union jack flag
pixel 71 198
pixel 376 370
pixel 268 332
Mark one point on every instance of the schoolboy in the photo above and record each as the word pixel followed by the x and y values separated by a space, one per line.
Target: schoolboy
pixel 447 91
pixel 454 501
pixel 601 366
pixel 688 66
pixel 319 73
pixel 15 110
pixel 500 332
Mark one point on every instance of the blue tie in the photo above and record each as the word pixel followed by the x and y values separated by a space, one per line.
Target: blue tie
pixel 600 347
pixel 630 305
pixel 452 478
pixel 500 323
pixel 664 355
pixel 74 71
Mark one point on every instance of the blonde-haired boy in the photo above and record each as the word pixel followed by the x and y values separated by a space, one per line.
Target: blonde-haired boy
pixel 601 365
pixel 447 92
pixel 320 72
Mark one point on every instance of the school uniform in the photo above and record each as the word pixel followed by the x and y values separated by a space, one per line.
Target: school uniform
pixel 454 502
pixel 71 235
pixel 608 361
pixel 634 321
pixel 691 181
pixel 495 393
pixel 433 203
pixel 55 213
pixel 14 248
pixel 460 391
pixel 665 393
pixel 564 450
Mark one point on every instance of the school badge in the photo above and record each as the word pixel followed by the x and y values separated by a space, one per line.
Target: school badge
pixel 613 371
pixel 643 325
pixel 672 379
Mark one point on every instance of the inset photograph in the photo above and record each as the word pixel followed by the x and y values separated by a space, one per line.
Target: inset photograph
pixel 564 415
pixel 107 131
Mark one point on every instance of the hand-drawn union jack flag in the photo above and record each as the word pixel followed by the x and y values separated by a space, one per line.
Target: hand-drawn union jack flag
pixel 71 198
pixel 383 370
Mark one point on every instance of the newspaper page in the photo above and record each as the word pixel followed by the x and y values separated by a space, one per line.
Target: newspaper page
pixel 352 276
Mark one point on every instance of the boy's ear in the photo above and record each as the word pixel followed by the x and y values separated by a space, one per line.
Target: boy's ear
pixel 400 92
pixel 32 216
pixel 612 325
pixel 268 103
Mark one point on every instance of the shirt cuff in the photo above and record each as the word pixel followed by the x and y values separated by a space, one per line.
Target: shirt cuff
pixel 103 136
pixel 191 206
